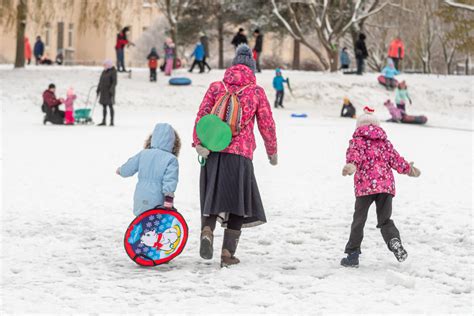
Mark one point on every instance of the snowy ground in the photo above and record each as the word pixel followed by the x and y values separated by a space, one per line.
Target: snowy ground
pixel 64 210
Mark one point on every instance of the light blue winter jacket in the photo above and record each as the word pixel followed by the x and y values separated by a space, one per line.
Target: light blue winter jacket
pixel 157 170
pixel 390 72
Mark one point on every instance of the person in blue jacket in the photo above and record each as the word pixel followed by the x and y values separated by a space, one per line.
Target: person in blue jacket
pixel 158 169
pixel 38 50
pixel 344 59
pixel 389 72
pixel 278 81
pixel 198 54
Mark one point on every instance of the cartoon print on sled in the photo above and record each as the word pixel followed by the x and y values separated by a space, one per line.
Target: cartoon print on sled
pixel 156 237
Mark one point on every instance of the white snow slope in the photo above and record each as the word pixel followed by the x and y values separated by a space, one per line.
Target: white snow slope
pixel 65 211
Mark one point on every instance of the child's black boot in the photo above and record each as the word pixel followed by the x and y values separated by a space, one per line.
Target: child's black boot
pixel 395 246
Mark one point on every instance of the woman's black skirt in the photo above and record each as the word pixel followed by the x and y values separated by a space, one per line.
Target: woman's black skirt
pixel 228 186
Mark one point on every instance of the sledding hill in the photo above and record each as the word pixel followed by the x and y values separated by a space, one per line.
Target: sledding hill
pixel 446 100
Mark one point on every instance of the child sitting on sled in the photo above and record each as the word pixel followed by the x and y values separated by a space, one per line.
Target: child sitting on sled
pixel 157 167
pixel 389 72
pixel 372 157
pixel 348 110
pixel 395 113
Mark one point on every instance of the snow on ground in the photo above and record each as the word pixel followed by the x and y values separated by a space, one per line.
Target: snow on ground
pixel 64 210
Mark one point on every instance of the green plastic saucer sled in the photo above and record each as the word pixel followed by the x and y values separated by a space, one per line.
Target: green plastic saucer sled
pixel 213 133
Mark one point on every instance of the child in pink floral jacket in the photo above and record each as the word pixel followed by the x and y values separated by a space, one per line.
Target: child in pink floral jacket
pixel 372 157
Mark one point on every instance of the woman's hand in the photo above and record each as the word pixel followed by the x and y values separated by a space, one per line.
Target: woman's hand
pixel 273 159
pixel 202 151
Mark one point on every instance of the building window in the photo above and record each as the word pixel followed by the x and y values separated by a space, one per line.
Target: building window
pixel 70 32
pixel 47 28
pixel 144 29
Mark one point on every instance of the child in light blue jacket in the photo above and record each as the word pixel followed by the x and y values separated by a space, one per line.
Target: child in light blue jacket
pixel 389 72
pixel 157 167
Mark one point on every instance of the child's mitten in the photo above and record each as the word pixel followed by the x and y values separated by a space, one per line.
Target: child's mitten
pixel 168 201
pixel 349 169
pixel 414 171
pixel 273 159
pixel 202 151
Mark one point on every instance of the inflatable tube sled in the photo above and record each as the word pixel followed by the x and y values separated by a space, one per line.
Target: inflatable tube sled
pixel 156 236
pixel 299 115
pixel 381 80
pixel 411 119
pixel 180 81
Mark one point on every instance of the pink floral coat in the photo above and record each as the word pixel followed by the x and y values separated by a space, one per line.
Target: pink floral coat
pixel 374 156
pixel 254 103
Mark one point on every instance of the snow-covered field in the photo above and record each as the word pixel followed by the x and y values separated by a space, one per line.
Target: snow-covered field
pixel 64 210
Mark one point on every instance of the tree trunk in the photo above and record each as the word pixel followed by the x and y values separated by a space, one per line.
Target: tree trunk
pixel 220 40
pixel 467 65
pixel 332 56
pixel 20 34
pixel 296 54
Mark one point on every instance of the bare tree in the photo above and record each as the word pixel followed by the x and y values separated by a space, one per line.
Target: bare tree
pixel 329 19
pixel 458 5
pixel 426 32
pixel 173 11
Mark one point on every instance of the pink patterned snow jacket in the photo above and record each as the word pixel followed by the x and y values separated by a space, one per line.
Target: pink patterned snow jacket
pixel 254 104
pixel 374 156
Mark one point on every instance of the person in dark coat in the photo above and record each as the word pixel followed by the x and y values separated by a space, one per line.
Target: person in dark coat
pixel 205 43
pixel 51 106
pixel 361 53
pixel 239 38
pixel 258 47
pixel 38 50
pixel 106 90
pixel 122 41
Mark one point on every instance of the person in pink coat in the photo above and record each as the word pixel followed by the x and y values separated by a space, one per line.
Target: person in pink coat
pixel 371 157
pixel 69 105
pixel 229 191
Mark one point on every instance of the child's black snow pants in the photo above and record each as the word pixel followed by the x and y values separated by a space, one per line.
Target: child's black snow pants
pixel 279 98
pixel 383 202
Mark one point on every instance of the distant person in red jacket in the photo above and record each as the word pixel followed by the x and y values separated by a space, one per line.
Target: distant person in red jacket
pixel 122 41
pixel 396 51
pixel 51 106
pixel 153 58
pixel 27 50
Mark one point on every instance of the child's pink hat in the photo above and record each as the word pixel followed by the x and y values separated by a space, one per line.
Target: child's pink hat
pixel 70 91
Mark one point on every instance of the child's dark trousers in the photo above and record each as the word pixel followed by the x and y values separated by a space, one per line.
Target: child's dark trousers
pixel 383 202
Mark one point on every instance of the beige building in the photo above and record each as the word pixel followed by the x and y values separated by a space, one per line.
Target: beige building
pixel 87 46
pixel 92 45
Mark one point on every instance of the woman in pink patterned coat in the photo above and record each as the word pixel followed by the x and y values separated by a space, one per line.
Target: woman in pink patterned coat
pixel 229 191
pixel 372 157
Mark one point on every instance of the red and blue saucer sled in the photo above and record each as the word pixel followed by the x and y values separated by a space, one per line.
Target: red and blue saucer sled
pixel 156 236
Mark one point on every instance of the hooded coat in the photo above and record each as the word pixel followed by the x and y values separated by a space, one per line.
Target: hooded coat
pixel 106 87
pixel 255 106
pixel 390 71
pixel 360 50
pixel 157 170
pixel 374 156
